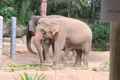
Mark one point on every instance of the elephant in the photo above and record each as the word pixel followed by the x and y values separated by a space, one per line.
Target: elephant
pixel 67 34
pixel 37 40
pixel 30 32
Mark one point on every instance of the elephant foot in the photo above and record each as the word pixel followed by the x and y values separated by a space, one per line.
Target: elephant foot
pixel 80 66
pixel 48 62
pixel 77 65
pixel 58 66
pixel 85 65
pixel 53 63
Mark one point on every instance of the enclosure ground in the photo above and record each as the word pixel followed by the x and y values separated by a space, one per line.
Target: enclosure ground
pixel 98 66
pixel 67 74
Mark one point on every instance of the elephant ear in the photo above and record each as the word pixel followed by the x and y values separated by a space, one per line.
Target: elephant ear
pixel 33 23
pixel 35 19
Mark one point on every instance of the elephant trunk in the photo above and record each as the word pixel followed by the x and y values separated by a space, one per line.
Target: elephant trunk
pixel 28 39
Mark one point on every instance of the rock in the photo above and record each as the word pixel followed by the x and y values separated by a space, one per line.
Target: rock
pixel 20 31
pixel 6 31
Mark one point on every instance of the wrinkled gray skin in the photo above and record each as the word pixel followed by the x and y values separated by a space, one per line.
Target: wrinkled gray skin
pixel 31 32
pixel 67 34
pixel 41 45
pixel 37 38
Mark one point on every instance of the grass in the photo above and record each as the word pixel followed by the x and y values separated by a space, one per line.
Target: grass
pixel 36 76
pixel 18 67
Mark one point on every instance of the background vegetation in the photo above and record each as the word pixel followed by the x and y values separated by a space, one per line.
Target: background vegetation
pixel 86 10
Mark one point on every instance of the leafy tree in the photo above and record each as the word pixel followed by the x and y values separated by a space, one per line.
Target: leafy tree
pixel 101 33
pixel 81 9
pixel 7 10
pixel 71 8
pixel 23 9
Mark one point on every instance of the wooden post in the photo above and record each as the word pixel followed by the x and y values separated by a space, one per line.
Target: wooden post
pixel 1 37
pixel 43 8
pixel 13 39
pixel 115 52
pixel 111 13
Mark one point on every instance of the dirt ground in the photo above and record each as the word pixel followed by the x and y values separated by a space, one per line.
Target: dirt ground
pixel 67 74
pixel 98 65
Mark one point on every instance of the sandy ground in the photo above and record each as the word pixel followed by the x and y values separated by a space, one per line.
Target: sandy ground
pixel 67 74
pixel 97 66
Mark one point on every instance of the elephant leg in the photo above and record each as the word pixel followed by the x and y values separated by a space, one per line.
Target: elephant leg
pixel 58 48
pixel 46 52
pixel 43 51
pixel 78 59
pixel 65 56
pixel 53 48
pixel 86 51
pixel 85 57
pixel 38 44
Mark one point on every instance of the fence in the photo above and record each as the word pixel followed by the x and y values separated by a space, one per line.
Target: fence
pixel 13 37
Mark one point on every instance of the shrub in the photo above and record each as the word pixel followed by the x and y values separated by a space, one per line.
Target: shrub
pixel 101 33
pixel 26 76
pixel 7 10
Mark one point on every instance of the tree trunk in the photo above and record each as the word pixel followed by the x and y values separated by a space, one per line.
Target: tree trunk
pixel 43 8
pixel 32 7
pixel 115 52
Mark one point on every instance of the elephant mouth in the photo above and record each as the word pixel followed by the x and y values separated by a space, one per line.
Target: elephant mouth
pixel 33 33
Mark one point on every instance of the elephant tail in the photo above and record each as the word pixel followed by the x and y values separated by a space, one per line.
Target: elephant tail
pixel 28 39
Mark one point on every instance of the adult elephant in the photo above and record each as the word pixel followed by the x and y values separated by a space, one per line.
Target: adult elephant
pixel 42 49
pixel 67 34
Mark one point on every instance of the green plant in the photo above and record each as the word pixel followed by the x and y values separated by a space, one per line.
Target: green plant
pixel 101 32
pixel 23 9
pixel 17 67
pixel 26 76
pixel 12 67
pixel 7 10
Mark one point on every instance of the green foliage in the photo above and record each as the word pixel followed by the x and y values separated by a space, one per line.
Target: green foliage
pixel 23 9
pixel 101 32
pixel 85 9
pixel 70 8
pixel 7 10
pixel 18 67
pixel 26 76
pixel 88 9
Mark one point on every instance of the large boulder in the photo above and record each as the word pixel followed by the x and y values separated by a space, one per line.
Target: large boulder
pixel 20 31
pixel 6 31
